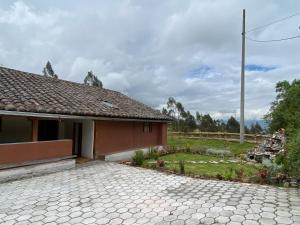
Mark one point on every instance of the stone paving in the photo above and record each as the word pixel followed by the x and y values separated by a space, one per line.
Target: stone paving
pixel 109 193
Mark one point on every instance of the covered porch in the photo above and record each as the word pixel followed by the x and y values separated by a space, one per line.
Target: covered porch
pixel 26 140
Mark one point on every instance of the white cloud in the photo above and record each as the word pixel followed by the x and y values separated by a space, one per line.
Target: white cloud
pixel 147 49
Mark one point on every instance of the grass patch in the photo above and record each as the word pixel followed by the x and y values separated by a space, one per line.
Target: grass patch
pixel 235 147
pixel 226 170
pixel 189 157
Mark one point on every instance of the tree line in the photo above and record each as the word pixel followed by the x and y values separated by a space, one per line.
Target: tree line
pixel 90 79
pixel 185 121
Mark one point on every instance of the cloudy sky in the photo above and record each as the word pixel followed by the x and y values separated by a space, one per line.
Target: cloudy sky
pixel 151 50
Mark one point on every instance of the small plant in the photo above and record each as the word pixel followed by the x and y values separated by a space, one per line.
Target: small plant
pixel 229 174
pixel 152 154
pixel 138 158
pixel 243 158
pixel 171 148
pixel 160 163
pixel 219 177
pixel 274 171
pixel 181 166
pixel 240 173
pixel 187 147
pixel 263 173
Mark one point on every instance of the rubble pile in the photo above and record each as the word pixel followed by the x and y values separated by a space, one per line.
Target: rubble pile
pixel 269 148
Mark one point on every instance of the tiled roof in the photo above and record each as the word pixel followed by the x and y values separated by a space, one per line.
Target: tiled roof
pixel 27 92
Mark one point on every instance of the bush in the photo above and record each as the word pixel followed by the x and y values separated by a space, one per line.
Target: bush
pixel 138 158
pixel 273 171
pixel 293 155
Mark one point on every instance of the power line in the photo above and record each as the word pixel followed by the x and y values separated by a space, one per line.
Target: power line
pixel 271 23
pixel 273 40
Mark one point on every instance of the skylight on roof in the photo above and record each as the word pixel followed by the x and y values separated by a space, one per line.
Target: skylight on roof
pixel 109 104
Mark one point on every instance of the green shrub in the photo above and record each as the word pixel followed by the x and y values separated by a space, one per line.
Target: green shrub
pixel 181 166
pixel 293 155
pixel 273 170
pixel 138 158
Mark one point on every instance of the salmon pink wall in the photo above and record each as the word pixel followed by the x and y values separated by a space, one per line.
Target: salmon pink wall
pixel 30 151
pixel 116 136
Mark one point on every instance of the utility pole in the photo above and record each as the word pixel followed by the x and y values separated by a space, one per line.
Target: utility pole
pixel 242 106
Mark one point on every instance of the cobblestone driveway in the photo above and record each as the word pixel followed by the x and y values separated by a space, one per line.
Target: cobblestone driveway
pixel 108 193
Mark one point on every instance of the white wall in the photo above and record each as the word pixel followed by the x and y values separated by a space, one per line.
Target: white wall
pixel 87 139
pixel 127 155
pixel 15 129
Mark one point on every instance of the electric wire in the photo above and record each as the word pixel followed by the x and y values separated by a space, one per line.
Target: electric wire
pixel 271 23
pixel 273 40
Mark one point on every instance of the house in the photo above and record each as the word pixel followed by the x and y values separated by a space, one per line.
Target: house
pixel 44 118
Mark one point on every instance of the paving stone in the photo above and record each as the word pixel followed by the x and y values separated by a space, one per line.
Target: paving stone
pixel 284 220
pixel 267 221
pixel 237 218
pixel 250 222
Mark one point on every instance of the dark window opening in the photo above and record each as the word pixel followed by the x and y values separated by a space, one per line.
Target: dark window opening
pixel 47 130
pixel 0 124
pixel 147 127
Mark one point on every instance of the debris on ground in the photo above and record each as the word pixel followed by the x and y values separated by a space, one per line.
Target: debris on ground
pixel 269 148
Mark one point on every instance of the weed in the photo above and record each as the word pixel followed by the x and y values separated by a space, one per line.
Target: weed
pixel 182 166
pixel 138 158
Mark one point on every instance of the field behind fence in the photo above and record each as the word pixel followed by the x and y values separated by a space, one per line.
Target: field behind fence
pixel 251 138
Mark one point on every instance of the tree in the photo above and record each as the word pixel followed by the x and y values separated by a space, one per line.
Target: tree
pixel 232 125
pixel 48 71
pixel 255 128
pixel 189 122
pixel 221 126
pixel 164 111
pixel 285 110
pixel 183 121
pixel 92 80
pixel 208 124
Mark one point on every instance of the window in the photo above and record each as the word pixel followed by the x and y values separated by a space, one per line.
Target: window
pixel 0 124
pixel 47 130
pixel 147 127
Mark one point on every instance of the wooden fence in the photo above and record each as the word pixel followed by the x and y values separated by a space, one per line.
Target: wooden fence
pixel 251 138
